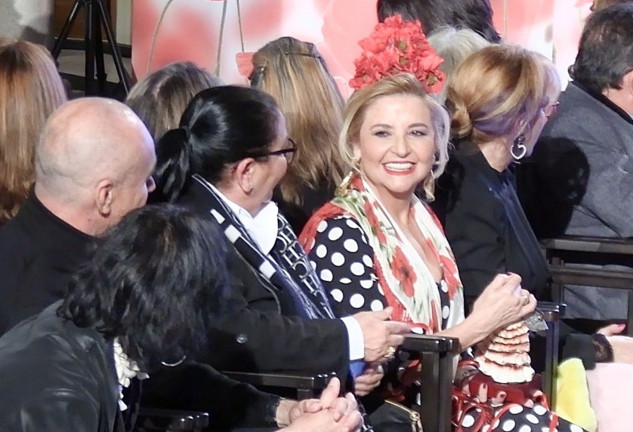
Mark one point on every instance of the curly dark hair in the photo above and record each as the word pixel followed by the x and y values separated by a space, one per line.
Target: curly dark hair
pixel 155 282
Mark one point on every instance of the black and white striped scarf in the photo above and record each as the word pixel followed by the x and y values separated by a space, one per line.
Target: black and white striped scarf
pixel 286 267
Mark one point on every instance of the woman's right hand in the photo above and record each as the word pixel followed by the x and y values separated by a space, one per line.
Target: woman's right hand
pixel 503 302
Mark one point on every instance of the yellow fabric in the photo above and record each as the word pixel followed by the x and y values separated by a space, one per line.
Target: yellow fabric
pixel 572 397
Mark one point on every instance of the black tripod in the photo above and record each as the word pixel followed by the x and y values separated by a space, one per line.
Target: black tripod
pixel 96 15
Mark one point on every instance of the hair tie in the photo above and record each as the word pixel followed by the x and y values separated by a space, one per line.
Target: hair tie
pixel 186 130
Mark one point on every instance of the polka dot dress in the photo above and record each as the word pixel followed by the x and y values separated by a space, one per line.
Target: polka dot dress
pixel 519 419
pixel 343 260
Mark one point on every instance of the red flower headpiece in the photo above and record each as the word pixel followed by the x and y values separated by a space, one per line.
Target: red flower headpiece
pixel 394 47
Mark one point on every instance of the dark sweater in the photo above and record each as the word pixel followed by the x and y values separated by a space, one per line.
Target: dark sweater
pixel 38 254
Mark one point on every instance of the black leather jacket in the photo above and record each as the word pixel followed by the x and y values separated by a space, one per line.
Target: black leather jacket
pixel 56 377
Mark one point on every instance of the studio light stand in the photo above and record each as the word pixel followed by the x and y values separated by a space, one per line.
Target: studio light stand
pixel 96 15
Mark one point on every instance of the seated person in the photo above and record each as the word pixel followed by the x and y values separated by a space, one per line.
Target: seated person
pixel 296 75
pixel 224 161
pixel 144 296
pixel 93 164
pixel 376 245
pixel 582 163
pixel 30 90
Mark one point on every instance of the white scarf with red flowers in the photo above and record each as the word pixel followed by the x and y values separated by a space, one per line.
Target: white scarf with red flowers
pixel 403 275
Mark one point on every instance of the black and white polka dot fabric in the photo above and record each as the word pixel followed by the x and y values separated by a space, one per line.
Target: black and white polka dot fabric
pixel 344 261
pixel 345 265
pixel 519 419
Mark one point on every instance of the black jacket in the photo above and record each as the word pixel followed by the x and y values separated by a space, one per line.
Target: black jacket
pixel 57 377
pixel 263 332
pixel 485 225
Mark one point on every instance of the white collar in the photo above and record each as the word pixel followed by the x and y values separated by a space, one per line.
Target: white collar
pixel 126 369
pixel 262 228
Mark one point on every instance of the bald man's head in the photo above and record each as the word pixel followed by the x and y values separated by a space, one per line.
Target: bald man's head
pixel 93 163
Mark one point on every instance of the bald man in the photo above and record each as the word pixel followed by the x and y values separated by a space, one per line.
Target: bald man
pixel 93 166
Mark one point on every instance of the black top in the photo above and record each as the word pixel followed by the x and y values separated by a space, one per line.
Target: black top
pixel 485 225
pixel 38 253
pixel 262 330
pixel 311 201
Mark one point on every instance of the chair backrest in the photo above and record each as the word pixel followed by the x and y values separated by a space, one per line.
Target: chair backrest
pixel 565 253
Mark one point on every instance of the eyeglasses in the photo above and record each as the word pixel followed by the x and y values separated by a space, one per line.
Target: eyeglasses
pixel 550 110
pixel 288 153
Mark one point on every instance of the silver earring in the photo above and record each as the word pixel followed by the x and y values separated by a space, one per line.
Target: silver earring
pixel 518 149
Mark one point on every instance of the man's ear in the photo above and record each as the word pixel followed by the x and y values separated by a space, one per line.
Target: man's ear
pixel 105 192
pixel 244 173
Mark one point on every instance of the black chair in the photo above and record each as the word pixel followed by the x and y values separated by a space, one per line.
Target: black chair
pixel 569 256
pixel 436 354
pixel 162 420
pixel 552 314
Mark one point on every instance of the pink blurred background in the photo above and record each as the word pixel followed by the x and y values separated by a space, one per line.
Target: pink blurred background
pixel 191 30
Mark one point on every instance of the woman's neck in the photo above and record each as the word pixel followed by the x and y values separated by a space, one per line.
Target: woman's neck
pixel 497 153
pixel 397 206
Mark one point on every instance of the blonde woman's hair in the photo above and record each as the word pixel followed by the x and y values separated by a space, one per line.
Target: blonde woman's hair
pixel 30 90
pixel 496 92
pixel 296 75
pixel 401 84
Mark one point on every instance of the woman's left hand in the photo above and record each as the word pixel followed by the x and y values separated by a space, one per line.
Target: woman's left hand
pixel 368 380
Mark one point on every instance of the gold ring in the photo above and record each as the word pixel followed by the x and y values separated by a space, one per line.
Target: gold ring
pixel 391 351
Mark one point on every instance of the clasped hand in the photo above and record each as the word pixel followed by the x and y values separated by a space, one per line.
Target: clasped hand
pixel 329 413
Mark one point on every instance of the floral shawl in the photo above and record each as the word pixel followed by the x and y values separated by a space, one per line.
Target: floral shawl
pixel 406 281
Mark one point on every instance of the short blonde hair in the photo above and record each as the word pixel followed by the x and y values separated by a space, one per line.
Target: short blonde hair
pixel 494 91
pixel 296 75
pixel 401 84
pixel 30 90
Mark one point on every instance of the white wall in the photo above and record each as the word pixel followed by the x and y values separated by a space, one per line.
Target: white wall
pixel 124 22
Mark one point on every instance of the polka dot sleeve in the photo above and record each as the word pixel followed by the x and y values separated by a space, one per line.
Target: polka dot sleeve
pixel 343 260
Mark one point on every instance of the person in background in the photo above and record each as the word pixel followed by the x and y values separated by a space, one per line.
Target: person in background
pixel 93 165
pixel 433 14
pixel 64 368
pixel 454 46
pixel 160 98
pixel 30 90
pixel 603 4
pixel 295 74
pixel 581 185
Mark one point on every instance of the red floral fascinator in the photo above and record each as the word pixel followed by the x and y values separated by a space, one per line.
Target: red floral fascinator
pixel 396 46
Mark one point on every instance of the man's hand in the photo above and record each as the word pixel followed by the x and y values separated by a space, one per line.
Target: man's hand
pixel 368 380
pixel 380 334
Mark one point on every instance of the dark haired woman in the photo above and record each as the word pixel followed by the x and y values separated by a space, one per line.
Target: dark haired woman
pixel 225 160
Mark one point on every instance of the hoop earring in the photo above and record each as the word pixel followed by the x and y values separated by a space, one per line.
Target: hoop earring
pixel 518 149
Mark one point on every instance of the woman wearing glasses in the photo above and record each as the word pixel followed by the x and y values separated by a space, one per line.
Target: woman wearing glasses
pixel 225 160
pixel 500 99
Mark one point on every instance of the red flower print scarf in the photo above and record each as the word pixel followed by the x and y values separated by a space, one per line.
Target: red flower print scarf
pixel 408 284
